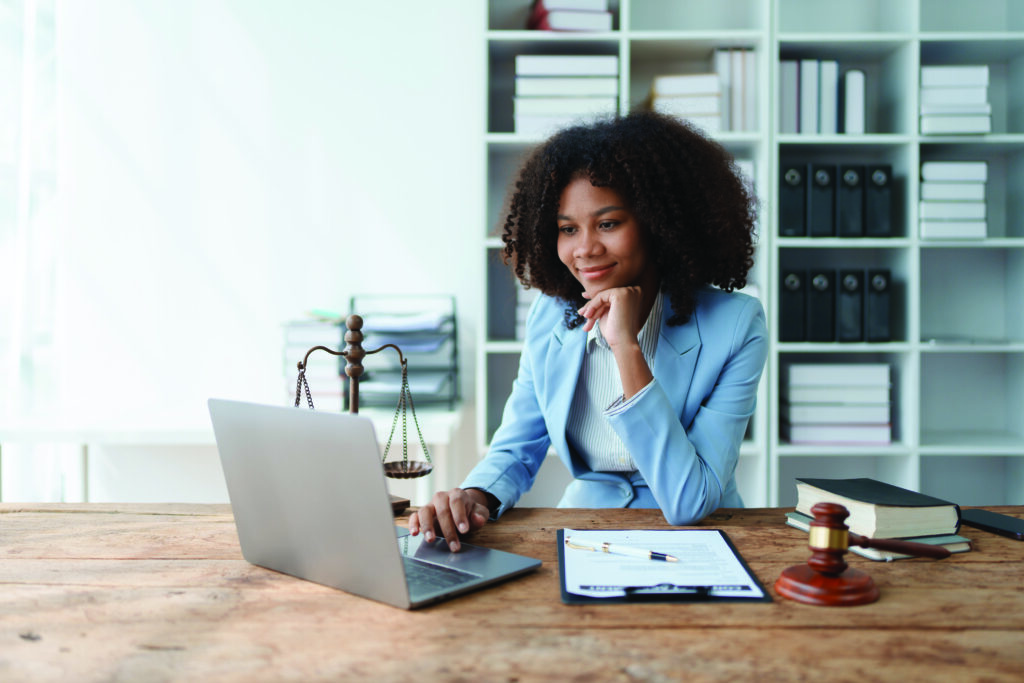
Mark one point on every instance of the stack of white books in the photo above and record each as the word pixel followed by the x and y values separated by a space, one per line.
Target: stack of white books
pixel 952 204
pixel 809 98
pixel 695 98
pixel 553 91
pixel 837 404
pixel 954 100
pixel 737 73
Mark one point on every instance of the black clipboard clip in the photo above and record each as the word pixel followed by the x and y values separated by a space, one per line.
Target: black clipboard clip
pixel 669 589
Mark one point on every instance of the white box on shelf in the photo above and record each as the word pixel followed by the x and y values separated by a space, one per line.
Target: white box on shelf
pixel 946 230
pixel 975 171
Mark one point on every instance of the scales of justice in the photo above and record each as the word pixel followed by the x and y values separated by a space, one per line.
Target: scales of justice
pixel 353 353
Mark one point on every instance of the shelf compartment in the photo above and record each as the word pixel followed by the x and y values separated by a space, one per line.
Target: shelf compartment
pixel 975 289
pixel 501 56
pixel 897 261
pixel 974 16
pixel 899 470
pixel 1004 201
pixel 902 396
pixel 974 399
pixel 897 156
pixel 981 480
pixel 502 298
pixel 843 16
pixel 886 65
pixel 512 15
pixel 701 15
pixel 503 162
pixel 1005 59
pixel 502 369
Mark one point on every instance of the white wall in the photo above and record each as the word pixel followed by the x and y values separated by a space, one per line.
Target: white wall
pixel 225 165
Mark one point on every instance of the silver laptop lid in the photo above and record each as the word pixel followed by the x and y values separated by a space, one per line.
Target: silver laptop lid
pixel 309 498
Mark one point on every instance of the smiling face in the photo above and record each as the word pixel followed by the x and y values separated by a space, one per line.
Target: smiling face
pixel 600 241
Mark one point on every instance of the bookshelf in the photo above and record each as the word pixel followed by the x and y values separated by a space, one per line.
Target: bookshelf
pixel 956 345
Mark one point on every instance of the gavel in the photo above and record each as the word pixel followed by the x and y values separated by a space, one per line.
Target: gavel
pixel 826 579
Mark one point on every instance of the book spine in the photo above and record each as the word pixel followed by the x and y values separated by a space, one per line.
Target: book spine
pixel 789 96
pixel 955 76
pixel 853 102
pixel 809 96
pixel 828 97
pixel 955 170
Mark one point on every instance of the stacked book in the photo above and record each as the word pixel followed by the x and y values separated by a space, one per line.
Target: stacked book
pixel 881 510
pixel 570 15
pixel 737 72
pixel 553 91
pixel 954 100
pixel 837 404
pixel 695 98
pixel 952 204
pixel 813 100
pixel 323 374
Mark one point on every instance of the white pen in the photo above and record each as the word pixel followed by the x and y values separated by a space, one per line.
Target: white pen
pixel 615 549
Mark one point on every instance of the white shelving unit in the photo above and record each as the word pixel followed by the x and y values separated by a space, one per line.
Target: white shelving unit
pixel 958 408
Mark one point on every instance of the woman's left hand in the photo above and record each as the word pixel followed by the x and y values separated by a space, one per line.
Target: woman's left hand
pixel 619 311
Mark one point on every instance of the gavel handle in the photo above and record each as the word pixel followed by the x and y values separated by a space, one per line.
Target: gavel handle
pixel 905 547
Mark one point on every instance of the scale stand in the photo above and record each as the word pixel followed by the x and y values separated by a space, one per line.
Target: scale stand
pixel 354 354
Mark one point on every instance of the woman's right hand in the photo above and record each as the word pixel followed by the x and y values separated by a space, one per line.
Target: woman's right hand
pixel 450 513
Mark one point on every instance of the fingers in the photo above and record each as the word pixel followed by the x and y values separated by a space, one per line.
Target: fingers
pixel 449 514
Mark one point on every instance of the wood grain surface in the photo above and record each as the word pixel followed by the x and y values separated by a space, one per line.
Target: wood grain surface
pixel 102 592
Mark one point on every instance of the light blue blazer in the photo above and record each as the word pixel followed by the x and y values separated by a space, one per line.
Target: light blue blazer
pixel 684 432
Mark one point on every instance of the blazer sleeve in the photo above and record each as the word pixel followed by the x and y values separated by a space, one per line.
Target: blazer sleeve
pixel 520 443
pixel 690 467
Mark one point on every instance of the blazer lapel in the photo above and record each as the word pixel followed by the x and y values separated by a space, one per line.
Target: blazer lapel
pixel 676 358
pixel 562 372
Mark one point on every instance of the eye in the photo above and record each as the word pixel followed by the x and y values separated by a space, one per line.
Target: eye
pixel 567 229
pixel 608 225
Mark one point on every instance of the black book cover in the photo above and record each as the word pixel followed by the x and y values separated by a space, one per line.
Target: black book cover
pixel 878 201
pixel 792 298
pixel 793 200
pixel 821 311
pixel 875 492
pixel 878 306
pixel 850 306
pixel 821 201
pixel 850 202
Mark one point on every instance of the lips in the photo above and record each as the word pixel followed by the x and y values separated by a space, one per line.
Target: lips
pixel 595 272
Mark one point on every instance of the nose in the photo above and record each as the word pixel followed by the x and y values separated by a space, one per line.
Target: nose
pixel 589 243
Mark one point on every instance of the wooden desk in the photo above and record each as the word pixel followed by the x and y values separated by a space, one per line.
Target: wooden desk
pixel 159 592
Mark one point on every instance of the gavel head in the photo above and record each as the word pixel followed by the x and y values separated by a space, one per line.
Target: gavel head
pixel 829 538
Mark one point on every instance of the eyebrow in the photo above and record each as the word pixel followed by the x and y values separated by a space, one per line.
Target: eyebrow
pixel 600 212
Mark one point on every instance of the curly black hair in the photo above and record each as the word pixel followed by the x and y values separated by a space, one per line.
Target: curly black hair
pixel 682 187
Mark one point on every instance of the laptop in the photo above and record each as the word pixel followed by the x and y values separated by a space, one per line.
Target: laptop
pixel 310 500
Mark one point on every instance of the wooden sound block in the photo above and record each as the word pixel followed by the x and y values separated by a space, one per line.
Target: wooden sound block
pixel 803 584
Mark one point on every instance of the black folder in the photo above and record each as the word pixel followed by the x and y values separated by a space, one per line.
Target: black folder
pixel 878 201
pixel 850 202
pixel 850 306
pixel 793 200
pixel 792 305
pixel 821 306
pixel 878 306
pixel 821 200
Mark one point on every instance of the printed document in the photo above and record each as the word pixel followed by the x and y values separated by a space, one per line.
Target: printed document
pixel 707 565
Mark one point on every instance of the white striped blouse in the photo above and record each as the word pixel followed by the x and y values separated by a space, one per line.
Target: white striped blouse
pixel 599 394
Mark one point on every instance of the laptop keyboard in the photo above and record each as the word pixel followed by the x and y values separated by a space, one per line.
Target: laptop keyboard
pixel 427 576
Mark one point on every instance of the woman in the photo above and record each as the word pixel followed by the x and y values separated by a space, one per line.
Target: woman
pixel 640 364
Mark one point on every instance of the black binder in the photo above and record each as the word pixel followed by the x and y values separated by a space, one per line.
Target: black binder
pixel 793 200
pixel 792 307
pixel 878 306
pixel 821 200
pixel 850 202
pixel 878 201
pixel 821 310
pixel 850 306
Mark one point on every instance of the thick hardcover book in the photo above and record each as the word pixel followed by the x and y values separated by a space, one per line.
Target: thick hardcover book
pixel 954 543
pixel 881 510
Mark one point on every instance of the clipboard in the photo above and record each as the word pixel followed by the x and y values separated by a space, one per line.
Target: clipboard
pixel 665 593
